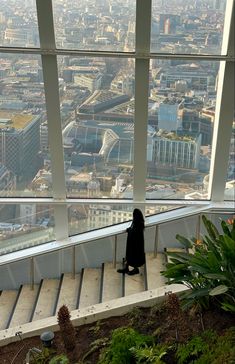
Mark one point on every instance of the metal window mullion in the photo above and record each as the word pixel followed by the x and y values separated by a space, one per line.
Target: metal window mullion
pixel 51 85
pixel 143 27
pixel 224 114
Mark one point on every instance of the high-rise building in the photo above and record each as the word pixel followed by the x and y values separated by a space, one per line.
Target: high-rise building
pixel 20 144
pixel 168 115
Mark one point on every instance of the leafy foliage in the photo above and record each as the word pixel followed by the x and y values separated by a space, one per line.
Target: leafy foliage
pixel 59 359
pixel 207 268
pixel 208 348
pixel 222 351
pixel 123 339
pixel 198 345
pixel 149 354
pixel 43 357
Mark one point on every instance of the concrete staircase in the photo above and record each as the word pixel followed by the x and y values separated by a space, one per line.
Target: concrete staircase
pixel 89 287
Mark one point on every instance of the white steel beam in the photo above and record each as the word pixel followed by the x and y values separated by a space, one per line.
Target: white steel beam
pixel 51 84
pixel 143 26
pixel 224 113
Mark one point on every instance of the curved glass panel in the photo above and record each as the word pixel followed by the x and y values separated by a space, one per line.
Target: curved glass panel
pixel 83 218
pixel 104 25
pixel 182 99
pixel 18 23
pixel 229 193
pixel 24 150
pixel 97 108
pixel 25 225
pixel 187 27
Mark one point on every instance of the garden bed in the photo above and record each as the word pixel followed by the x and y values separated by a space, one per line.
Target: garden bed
pixel 169 327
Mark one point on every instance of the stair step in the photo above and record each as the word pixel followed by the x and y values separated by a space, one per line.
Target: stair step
pixel 134 284
pixel 69 292
pixel 90 290
pixel 46 300
pixel 7 301
pixel 154 266
pixel 112 283
pixel 24 306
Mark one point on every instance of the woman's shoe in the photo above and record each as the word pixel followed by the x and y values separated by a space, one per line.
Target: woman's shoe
pixel 123 270
pixel 133 271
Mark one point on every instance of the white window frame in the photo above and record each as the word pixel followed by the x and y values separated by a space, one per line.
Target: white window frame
pixel 142 56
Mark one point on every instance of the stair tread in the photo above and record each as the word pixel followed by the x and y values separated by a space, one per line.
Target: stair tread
pixel 7 301
pixel 24 305
pixel 154 266
pixel 69 291
pixel 46 299
pixel 175 250
pixel 134 284
pixel 112 284
pixel 90 287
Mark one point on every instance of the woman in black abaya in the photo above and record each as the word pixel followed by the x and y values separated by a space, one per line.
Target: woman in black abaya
pixel 135 254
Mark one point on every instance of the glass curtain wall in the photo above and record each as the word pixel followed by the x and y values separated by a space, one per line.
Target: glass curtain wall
pixel 116 100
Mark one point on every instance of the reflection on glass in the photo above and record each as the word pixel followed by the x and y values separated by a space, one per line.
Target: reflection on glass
pixel 24 150
pixel 229 193
pixel 182 98
pixel 25 225
pixel 187 27
pixel 83 218
pixel 97 108
pixel 103 25
pixel 18 23
pixel 158 209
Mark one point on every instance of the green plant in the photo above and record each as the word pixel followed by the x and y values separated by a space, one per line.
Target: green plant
pixel 96 328
pixel 96 345
pixel 134 314
pixel 59 359
pixel 43 357
pixel 149 354
pixel 187 353
pixel 222 350
pixel 122 340
pixel 66 328
pixel 210 271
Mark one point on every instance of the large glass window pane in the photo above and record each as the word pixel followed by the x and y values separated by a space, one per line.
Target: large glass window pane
pixel 158 209
pixel 97 108
pixel 25 225
pixel 24 150
pixel 182 99
pixel 84 218
pixel 187 27
pixel 229 193
pixel 18 23
pixel 102 25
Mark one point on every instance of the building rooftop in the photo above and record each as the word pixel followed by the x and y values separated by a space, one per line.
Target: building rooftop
pixel 17 121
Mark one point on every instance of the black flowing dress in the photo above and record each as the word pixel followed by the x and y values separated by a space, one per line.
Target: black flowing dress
pixel 135 254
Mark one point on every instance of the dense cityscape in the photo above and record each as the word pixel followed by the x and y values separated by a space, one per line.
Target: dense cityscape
pixel 97 109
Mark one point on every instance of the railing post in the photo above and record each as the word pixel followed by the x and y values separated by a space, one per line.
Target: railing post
pixel 115 252
pixel 32 273
pixel 73 261
pixel 198 227
pixel 156 241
